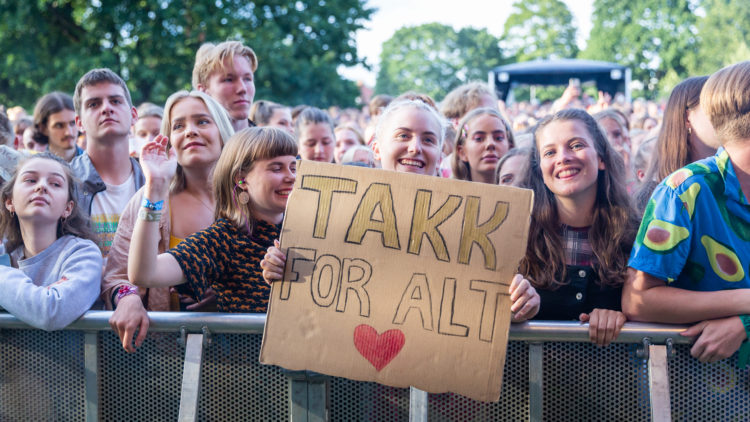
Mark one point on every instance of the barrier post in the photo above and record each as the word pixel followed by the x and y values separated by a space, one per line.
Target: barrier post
pixel 91 377
pixel 536 387
pixel 418 405
pixel 308 396
pixel 191 378
pixel 658 381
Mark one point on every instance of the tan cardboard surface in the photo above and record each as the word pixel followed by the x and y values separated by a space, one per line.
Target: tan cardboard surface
pixel 396 278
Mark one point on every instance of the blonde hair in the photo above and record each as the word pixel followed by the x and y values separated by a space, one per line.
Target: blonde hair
pixel 211 57
pixel 725 101
pixel 243 150
pixel 352 128
pixel 461 170
pixel 419 105
pixel 464 98
pixel 218 114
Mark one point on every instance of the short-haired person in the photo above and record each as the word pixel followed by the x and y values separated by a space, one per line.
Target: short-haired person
pixel 146 127
pixel 314 132
pixel 226 72
pixel 55 125
pixel 109 176
pixel 465 98
pixel 19 126
pixel 197 128
pixel 251 184
pixel 689 260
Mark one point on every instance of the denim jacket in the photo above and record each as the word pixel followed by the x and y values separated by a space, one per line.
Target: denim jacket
pixel 90 183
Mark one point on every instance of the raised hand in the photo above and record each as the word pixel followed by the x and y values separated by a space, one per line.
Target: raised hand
pixel 158 165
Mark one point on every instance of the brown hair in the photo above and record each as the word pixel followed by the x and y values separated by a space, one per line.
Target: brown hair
pixel 378 103
pixel 461 169
pixel 614 223
pixel 95 77
pixel 725 101
pixel 75 224
pixel 52 103
pixel 352 127
pixel 237 159
pixel 262 110
pixel 210 57
pixel 463 99
pixel 513 152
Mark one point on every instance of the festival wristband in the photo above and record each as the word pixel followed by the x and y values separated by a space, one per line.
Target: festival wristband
pixel 123 291
pixel 148 215
pixel 744 355
pixel 153 206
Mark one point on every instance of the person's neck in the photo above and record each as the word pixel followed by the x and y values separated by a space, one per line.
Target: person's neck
pixel 576 212
pixel 271 219
pixel 198 183
pixel 739 153
pixel 36 238
pixel 483 178
pixel 111 160
pixel 65 154
pixel 240 124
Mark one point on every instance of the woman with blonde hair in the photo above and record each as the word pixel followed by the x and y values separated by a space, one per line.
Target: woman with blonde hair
pixel 198 127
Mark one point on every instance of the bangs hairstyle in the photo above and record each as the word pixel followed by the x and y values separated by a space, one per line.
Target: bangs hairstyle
pixel 239 156
pixel 419 105
pixel 311 115
pixel 461 169
pixel 52 103
pixel 76 224
pixel 726 102
pixel 218 114
pixel 614 222
pixel 95 77
pixel 210 58
pixel 261 111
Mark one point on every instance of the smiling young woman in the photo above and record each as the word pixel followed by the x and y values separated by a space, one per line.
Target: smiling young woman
pixel 583 224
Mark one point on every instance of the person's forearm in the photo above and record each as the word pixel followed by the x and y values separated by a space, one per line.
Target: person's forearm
pixel 144 245
pixel 647 299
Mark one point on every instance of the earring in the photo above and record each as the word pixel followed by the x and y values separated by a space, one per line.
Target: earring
pixel 12 214
pixel 690 130
pixel 243 197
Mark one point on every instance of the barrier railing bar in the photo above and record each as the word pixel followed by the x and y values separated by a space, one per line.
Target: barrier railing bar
pixel 418 405
pixel 536 387
pixel 191 378
pixel 308 396
pixel 632 332
pixel 658 381
pixel 91 375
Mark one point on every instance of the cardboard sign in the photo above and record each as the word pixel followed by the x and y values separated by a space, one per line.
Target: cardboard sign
pixel 397 278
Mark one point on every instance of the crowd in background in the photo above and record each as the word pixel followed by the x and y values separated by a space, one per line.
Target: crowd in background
pixel 180 205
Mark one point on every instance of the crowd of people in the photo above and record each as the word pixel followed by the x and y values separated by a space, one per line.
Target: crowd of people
pixel 640 211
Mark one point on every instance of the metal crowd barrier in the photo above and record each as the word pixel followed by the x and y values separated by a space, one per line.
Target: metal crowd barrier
pixel 204 366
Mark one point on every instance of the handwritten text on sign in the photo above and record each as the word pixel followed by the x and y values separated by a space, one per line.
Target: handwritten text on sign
pixel 396 278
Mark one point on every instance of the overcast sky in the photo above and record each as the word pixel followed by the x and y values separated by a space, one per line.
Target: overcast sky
pixel 394 14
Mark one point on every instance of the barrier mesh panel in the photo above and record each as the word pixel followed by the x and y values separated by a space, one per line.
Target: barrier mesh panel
pixel 583 382
pixel 41 376
pixel 234 386
pixel 708 391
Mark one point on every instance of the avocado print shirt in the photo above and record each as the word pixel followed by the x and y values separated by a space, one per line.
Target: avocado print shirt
pixel 695 232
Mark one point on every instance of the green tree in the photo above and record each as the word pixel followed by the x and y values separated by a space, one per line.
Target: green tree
pixel 539 29
pixel 653 37
pixel 726 25
pixel 49 44
pixel 434 58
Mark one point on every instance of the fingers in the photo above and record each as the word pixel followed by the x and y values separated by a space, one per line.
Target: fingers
pixel 126 336
pixel 142 331
pixel 604 325
pixel 694 330
pixel 273 264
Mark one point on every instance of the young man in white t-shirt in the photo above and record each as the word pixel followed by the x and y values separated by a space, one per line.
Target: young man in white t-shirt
pixel 109 177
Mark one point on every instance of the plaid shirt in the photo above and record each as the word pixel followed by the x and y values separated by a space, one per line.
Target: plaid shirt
pixel 577 246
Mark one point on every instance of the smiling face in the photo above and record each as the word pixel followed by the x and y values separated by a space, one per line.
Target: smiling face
pixel 316 142
pixel 194 134
pixel 485 143
pixel 61 130
pixel 269 183
pixel 105 114
pixel 233 86
pixel 568 159
pixel 40 193
pixel 345 139
pixel 408 141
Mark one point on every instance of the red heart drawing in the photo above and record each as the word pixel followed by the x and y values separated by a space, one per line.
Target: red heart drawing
pixel 379 349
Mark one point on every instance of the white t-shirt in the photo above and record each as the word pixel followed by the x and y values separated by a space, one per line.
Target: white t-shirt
pixel 105 211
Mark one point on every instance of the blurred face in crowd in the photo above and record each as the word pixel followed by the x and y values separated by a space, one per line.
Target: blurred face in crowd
pixel 316 142
pixel 146 129
pixel 486 141
pixel 345 139
pixel 282 118
pixel 568 159
pixel 29 144
pixel 233 86
pixel 409 141
pixel 61 130
pixel 618 138
pixel 513 170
